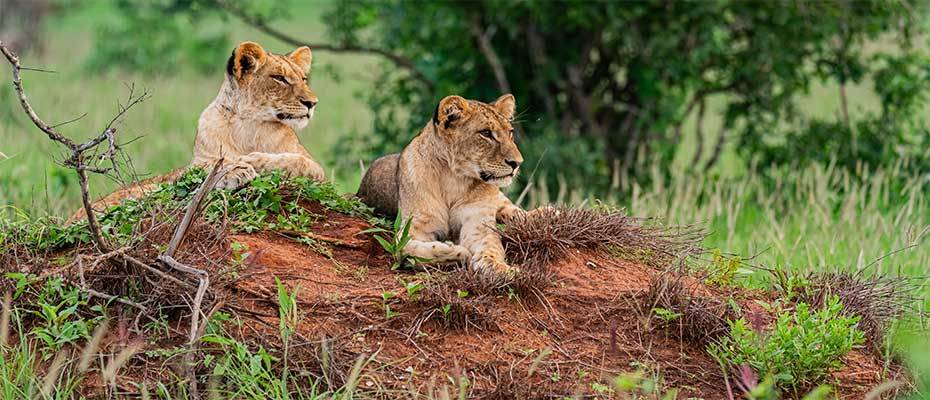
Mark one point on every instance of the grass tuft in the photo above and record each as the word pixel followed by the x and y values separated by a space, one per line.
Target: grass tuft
pixel 673 305
pixel 878 301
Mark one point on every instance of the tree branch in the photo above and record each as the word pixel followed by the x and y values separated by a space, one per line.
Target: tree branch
pixel 483 39
pixel 258 23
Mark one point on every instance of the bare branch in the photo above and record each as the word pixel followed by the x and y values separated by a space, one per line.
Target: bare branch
pixel 193 208
pixel 78 159
pixel 261 25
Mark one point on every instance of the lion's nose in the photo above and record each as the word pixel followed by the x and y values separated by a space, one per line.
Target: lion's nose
pixel 309 103
pixel 513 163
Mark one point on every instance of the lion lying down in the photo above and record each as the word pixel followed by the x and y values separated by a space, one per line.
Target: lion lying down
pixel 448 180
pixel 252 124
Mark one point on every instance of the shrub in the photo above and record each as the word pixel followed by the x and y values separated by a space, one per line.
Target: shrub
pixel 802 348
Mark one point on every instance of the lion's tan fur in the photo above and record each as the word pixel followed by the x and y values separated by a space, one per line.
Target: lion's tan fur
pixel 447 182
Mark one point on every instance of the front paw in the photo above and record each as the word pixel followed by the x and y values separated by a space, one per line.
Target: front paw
pixel 236 176
pixel 314 171
pixel 491 265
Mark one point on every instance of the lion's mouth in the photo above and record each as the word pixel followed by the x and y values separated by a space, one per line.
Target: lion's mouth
pixel 285 116
pixel 488 177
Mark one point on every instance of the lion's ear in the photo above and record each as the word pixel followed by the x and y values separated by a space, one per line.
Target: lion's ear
pixel 245 59
pixel 451 109
pixel 302 56
pixel 505 105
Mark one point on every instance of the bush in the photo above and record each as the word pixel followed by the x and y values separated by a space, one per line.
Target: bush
pixel 802 348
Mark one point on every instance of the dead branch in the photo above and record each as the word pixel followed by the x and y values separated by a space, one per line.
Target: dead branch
pixel 258 23
pixel 78 159
pixel 204 279
pixel 193 208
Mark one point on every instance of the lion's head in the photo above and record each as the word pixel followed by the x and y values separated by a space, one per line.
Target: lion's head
pixel 479 137
pixel 271 87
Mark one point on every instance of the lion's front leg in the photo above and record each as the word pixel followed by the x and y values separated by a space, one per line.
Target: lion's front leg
pixel 479 236
pixel 294 164
pixel 423 242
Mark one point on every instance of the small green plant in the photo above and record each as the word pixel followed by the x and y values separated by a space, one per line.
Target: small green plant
pixel 387 298
pixel 58 313
pixel 414 289
pixel 288 318
pixel 665 314
pixel 803 347
pixel 395 241
pixel 723 269
pixel 446 311
pixel 240 253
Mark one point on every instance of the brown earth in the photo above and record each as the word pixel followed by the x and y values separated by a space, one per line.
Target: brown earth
pixel 585 328
pixel 592 322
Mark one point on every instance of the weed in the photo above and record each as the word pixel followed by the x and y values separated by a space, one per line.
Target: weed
pixel 802 348
pixel 395 241
pixel 413 289
pixel 387 298
pixel 723 269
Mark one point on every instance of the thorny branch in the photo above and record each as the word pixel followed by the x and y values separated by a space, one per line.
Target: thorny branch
pixel 79 159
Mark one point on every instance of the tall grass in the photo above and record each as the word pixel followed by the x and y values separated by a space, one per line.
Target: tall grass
pixel 812 218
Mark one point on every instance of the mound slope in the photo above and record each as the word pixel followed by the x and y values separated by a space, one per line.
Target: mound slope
pixel 579 314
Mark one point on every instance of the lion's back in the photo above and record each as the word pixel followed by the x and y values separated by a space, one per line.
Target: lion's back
pixel 379 187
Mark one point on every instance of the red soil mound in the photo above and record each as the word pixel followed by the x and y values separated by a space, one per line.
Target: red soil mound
pixel 585 328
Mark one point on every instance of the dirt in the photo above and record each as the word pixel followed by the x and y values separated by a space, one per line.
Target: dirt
pixel 584 329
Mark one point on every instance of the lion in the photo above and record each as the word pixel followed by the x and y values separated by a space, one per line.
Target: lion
pixel 252 123
pixel 448 182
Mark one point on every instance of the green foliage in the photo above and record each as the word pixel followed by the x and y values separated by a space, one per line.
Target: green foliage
pixel 723 269
pixel 395 241
pixel 619 98
pixel 274 202
pixel 802 348
pixel 270 202
pixel 58 315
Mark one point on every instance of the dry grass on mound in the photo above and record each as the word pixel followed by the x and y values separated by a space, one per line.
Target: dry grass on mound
pixel 698 318
pixel 877 300
pixel 547 234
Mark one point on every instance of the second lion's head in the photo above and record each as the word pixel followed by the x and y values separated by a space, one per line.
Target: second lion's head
pixel 480 138
pixel 270 87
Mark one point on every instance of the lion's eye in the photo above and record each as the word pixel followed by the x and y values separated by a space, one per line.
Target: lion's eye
pixel 486 133
pixel 280 79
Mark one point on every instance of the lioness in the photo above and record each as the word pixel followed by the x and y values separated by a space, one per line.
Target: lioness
pixel 448 180
pixel 252 123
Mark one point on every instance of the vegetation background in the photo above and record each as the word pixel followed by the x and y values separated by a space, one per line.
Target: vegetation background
pixel 796 132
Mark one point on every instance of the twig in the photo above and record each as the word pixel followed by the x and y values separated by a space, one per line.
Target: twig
pixel 204 279
pixel 94 293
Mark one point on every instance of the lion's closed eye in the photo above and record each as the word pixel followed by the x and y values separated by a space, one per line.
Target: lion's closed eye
pixel 280 79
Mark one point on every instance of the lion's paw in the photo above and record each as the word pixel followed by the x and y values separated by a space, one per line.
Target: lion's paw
pixel 494 266
pixel 236 176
